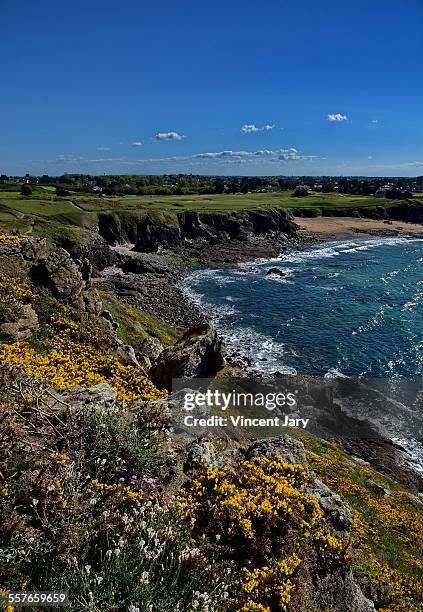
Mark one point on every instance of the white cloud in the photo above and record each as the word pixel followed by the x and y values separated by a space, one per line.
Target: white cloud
pixel 293 155
pixel 104 148
pixel 250 128
pixel 267 155
pixel 227 157
pixel 137 143
pixel 337 117
pixel 169 136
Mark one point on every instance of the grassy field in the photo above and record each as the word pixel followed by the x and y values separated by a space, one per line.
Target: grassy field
pixel 44 214
pixel 228 202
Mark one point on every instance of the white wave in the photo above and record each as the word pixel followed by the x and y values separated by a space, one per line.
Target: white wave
pixel 334 373
pixel 414 451
pixel 267 354
pixel 416 300
pixel 278 279
pixel 374 322
pixel 334 248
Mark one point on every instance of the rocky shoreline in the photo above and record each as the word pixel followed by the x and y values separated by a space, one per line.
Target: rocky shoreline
pixel 149 279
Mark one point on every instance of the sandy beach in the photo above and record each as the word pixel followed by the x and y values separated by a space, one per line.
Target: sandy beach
pixel 325 227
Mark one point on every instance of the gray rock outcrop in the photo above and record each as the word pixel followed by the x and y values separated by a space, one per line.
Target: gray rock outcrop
pixel 288 448
pixel 60 274
pixel 276 272
pixel 197 355
pixel 199 453
pixel 23 328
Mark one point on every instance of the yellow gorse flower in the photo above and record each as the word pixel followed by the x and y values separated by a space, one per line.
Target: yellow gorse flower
pixel 271 584
pixel 10 239
pixel 242 499
pixel 60 458
pixel 69 364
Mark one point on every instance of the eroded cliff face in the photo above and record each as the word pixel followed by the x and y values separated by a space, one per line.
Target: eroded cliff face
pixel 186 231
pixel 151 232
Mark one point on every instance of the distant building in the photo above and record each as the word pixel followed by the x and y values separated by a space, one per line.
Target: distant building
pixel 380 193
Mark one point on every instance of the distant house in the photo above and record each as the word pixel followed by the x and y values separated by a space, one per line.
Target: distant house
pixel 380 193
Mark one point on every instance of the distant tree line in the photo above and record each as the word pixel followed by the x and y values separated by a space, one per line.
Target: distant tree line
pixel 186 184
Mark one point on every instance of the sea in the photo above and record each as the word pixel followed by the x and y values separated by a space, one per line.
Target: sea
pixel 344 308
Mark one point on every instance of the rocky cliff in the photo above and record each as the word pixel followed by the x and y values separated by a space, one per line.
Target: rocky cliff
pixel 180 231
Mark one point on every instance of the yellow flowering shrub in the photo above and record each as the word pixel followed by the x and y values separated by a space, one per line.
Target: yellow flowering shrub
pixel 251 606
pixel 68 364
pixel 60 458
pixel 329 548
pixel 70 356
pixel 10 239
pixel 12 295
pixel 270 587
pixel 262 515
pixel 9 285
pixel 245 504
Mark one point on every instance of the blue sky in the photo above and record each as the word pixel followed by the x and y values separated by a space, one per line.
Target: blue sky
pixel 324 87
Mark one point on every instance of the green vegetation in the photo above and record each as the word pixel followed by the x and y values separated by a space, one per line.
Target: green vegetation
pixel 46 215
pixel 387 527
pixel 135 326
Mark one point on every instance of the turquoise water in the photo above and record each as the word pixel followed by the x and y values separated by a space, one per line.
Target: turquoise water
pixel 352 307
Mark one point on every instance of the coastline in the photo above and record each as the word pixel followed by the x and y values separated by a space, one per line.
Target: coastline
pixel 398 458
pixel 333 228
pixel 152 281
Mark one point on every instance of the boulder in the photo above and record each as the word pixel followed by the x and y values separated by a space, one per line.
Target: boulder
pixel 153 415
pixel 197 355
pixel 199 453
pixel 98 397
pixel 33 250
pixel 23 328
pixel 149 349
pixel 276 272
pixel 60 274
pixel 126 354
pixel 288 448
pixel 336 511
pixel 338 590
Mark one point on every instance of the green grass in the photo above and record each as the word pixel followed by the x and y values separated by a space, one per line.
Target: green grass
pixel 386 530
pixel 40 208
pixel 81 211
pixel 136 325
pixel 228 202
